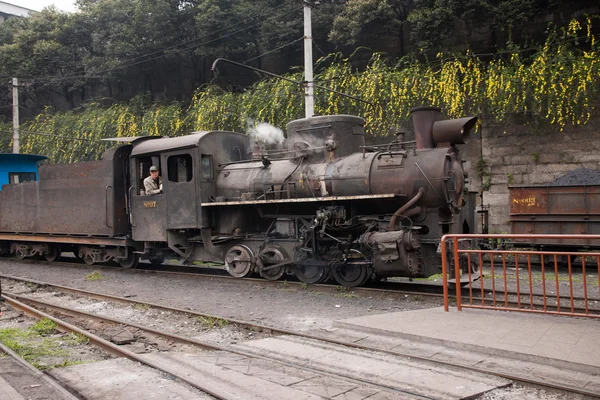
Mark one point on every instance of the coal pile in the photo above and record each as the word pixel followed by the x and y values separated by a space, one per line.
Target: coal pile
pixel 579 176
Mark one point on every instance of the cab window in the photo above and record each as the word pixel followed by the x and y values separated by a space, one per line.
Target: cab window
pixel 143 170
pixel 206 166
pixel 179 168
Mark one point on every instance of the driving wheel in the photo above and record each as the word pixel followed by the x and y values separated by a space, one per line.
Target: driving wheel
pixel 239 260
pixel 310 273
pixel 269 258
pixel 349 275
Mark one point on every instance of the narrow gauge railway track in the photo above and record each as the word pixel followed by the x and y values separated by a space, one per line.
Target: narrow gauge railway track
pixel 415 288
pixel 508 374
pixel 404 391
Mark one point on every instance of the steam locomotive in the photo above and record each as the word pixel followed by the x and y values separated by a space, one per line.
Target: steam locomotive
pixel 324 205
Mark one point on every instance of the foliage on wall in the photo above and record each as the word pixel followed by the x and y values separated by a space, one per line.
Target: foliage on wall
pixel 556 84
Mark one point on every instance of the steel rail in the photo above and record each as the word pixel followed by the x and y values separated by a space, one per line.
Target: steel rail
pixel 271 329
pixel 103 344
pixel 190 341
pixel 429 290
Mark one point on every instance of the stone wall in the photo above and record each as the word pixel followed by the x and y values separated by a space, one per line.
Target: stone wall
pixel 518 154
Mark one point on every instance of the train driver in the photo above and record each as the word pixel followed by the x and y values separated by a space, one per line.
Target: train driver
pixel 153 183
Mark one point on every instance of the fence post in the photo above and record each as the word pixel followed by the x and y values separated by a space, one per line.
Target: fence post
pixel 444 251
pixel 457 273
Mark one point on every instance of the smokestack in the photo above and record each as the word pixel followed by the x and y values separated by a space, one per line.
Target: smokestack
pixel 423 119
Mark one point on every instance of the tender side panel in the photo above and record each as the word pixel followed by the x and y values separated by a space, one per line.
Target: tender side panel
pixel 69 199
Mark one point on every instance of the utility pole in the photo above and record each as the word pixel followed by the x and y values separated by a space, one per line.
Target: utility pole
pixel 309 104
pixel 15 96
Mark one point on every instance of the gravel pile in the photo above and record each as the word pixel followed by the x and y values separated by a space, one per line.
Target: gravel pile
pixel 580 176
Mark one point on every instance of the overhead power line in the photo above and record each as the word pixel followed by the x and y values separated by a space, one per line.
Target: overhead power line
pixel 274 50
pixel 55 135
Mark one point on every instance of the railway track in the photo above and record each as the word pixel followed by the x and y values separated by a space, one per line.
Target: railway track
pixel 397 288
pixel 392 389
pixel 32 305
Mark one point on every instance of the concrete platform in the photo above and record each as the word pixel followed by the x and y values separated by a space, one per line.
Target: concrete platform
pixel 19 380
pixel 122 379
pixel 7 392
pixel 563 342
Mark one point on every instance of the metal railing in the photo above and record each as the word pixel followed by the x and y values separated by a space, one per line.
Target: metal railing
pixel 504 272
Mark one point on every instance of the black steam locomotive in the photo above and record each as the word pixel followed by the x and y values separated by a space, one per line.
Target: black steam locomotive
pixel 324 205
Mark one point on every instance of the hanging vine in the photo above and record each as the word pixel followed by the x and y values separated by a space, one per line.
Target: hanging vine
pixel 557 85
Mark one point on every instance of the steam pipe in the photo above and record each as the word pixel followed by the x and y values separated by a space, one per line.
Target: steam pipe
pixel 401 210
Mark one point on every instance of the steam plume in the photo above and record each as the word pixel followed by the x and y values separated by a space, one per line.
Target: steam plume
pixel 265 132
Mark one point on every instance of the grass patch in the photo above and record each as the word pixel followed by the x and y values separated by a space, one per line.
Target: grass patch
pixel 43 327
pixel 78 338
pixel 432 278
pixel 31 345
pixel 304 285
pixel 212 322
pixel 94 276
pixel 342 289
pixel 141 306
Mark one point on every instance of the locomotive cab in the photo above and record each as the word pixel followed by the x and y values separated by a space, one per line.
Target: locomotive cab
pixel 188 167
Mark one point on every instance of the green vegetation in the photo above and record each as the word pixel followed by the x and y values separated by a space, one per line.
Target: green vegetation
pixel 44 327
pixel 212 322
pixel 78 338
pixel 141 306
pixel 35 344
pixel 557 85
pixel 434 277
pixel 94 276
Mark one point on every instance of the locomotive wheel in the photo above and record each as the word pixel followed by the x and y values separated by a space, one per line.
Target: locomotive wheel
pixel 350 275
pixel 53 253
pixel 131 261
pixel 239 260
pixel 272 274
pixel 310 273
pixel 20 255
pixel 269 257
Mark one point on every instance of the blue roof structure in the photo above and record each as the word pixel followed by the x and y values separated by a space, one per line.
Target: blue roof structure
pixel 17 168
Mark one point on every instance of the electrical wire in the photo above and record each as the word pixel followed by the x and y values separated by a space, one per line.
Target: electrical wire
pixel 274 50
pixel 24 132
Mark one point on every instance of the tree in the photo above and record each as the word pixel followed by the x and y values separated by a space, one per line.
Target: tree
pixel 370 16
pixel 43 50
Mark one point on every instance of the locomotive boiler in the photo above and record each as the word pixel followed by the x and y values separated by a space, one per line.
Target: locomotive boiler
pixel 322 205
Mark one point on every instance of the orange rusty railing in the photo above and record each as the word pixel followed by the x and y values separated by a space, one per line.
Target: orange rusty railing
pixel 522 279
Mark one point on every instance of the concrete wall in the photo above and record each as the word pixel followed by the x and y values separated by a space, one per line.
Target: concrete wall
pixel 517 154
